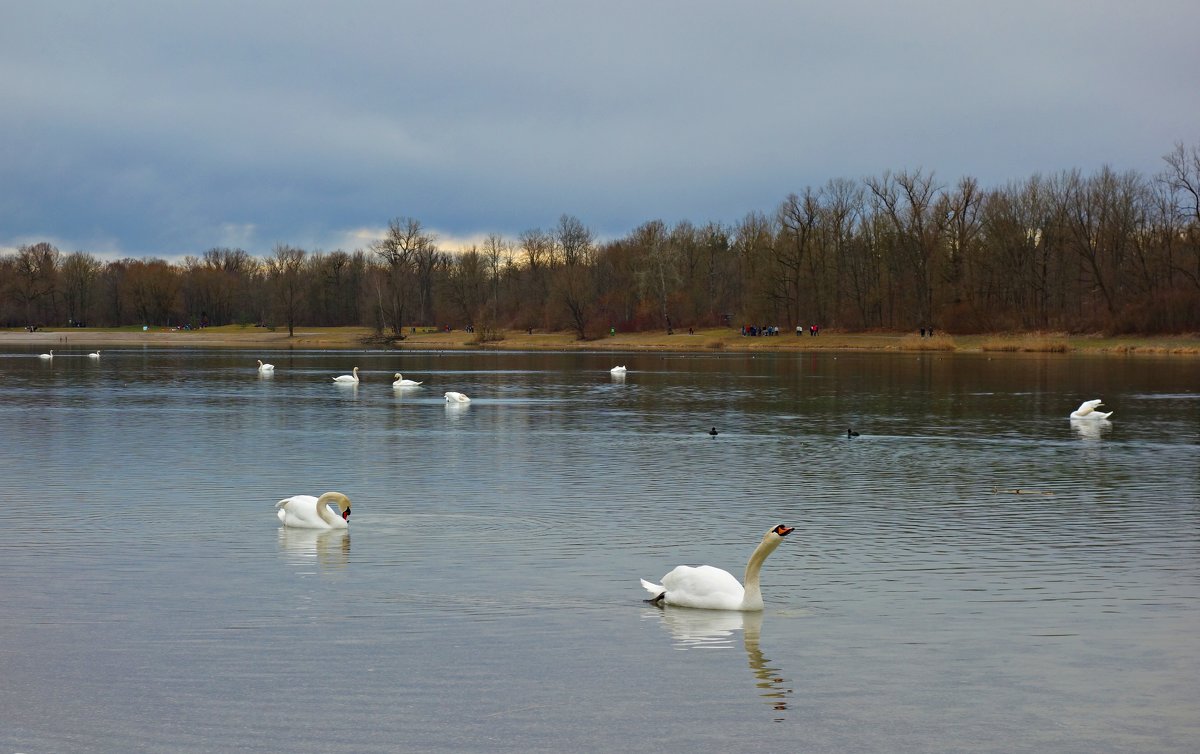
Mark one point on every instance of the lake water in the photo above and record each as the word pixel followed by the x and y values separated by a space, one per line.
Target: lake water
pixel 486 597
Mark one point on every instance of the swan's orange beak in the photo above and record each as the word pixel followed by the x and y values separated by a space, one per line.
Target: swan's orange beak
pixel 783 531
pixel 346 515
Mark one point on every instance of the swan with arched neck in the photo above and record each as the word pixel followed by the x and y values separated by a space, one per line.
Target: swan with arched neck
pixel 308 512
pixel 401 382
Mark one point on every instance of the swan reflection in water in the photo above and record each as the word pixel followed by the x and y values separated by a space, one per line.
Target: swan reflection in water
pixel 329 547
pixel 1091 429
pixel 716 629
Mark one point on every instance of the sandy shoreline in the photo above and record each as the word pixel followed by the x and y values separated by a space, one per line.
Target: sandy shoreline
pixel 711 340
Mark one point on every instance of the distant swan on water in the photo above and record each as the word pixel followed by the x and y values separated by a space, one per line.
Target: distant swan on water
pixel 712 588
pixel 401 382
pixel 618 370
pixel 265 367
pixel 95 355
pixel 47 355
pixel 453 397
pixel 348 379
pixel 1087 410
pixel 308 512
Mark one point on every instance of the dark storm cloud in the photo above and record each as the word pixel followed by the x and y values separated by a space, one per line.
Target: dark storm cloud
pixel 163 128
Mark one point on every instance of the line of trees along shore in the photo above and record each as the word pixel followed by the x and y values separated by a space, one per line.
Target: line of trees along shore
pixel 1111 251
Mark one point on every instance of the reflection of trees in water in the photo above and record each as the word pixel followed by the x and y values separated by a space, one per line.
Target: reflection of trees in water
pixel 693 629
pixel 329 547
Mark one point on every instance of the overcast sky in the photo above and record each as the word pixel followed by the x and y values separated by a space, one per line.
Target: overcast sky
pixel 164 128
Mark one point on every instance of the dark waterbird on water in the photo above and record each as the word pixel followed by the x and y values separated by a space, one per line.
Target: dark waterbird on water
pixel 713 432
pixel 851 433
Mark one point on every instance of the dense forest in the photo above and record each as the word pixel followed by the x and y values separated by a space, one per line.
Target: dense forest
pixel 1109 252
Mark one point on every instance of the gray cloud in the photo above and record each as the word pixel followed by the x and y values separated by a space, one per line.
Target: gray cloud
pixel 161 128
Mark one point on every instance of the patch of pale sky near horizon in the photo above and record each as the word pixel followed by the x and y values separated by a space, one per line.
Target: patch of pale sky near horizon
pixel 147 129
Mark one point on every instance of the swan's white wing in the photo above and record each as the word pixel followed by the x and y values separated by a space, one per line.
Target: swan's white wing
pixel 704 587
pixel 1086 408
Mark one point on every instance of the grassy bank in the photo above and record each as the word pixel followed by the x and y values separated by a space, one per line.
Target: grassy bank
pixel 715 339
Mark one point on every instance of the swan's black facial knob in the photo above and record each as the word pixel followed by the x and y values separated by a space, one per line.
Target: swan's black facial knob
pixel 783 531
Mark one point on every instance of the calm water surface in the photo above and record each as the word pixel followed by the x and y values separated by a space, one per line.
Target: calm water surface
pixel 486 597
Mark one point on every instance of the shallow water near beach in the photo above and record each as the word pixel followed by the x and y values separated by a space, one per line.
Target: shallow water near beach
pixel 973 573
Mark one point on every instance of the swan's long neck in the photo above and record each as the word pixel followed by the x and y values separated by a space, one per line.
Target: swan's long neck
pixel 752 599
pixel 327 515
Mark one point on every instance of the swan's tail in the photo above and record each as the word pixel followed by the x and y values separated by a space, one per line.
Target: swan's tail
pixel 282 503
pixel 659 592
pixel 1103 415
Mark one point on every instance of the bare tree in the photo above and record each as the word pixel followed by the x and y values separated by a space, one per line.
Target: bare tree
pixel 35 273
pixel 151 290
pixel 79 274
pixel 467 283
pixel 908 200
pixel 285 269
pixel 398 250
pixel 1182 176
pixel 657 276
pixel 574 244
pixel 498 254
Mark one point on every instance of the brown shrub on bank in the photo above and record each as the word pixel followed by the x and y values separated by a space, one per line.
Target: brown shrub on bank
pixel 935 343
pixel 1027 344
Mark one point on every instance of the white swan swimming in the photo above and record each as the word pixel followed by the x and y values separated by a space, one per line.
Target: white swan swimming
pixel 348 379
pixel 618 370
pixel 401 382
pixel 453 397
pixel 47 355
pixel 1087 410
pixel 265 367
pixel 711 588
pixel 95 355
pixel 308 512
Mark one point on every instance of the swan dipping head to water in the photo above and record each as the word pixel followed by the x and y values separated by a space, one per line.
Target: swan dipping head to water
pixel 712 588
pixel 308 512
pixel 453 397
pixel 401 382
pixel 265 367
pixel 348 378
pixel 1087 410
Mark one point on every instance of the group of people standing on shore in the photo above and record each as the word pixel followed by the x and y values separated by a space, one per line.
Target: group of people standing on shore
pixel 753 331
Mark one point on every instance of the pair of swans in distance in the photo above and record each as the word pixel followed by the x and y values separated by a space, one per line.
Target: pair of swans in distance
pixel 353 379
pixel 93 355
pixel 702 587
